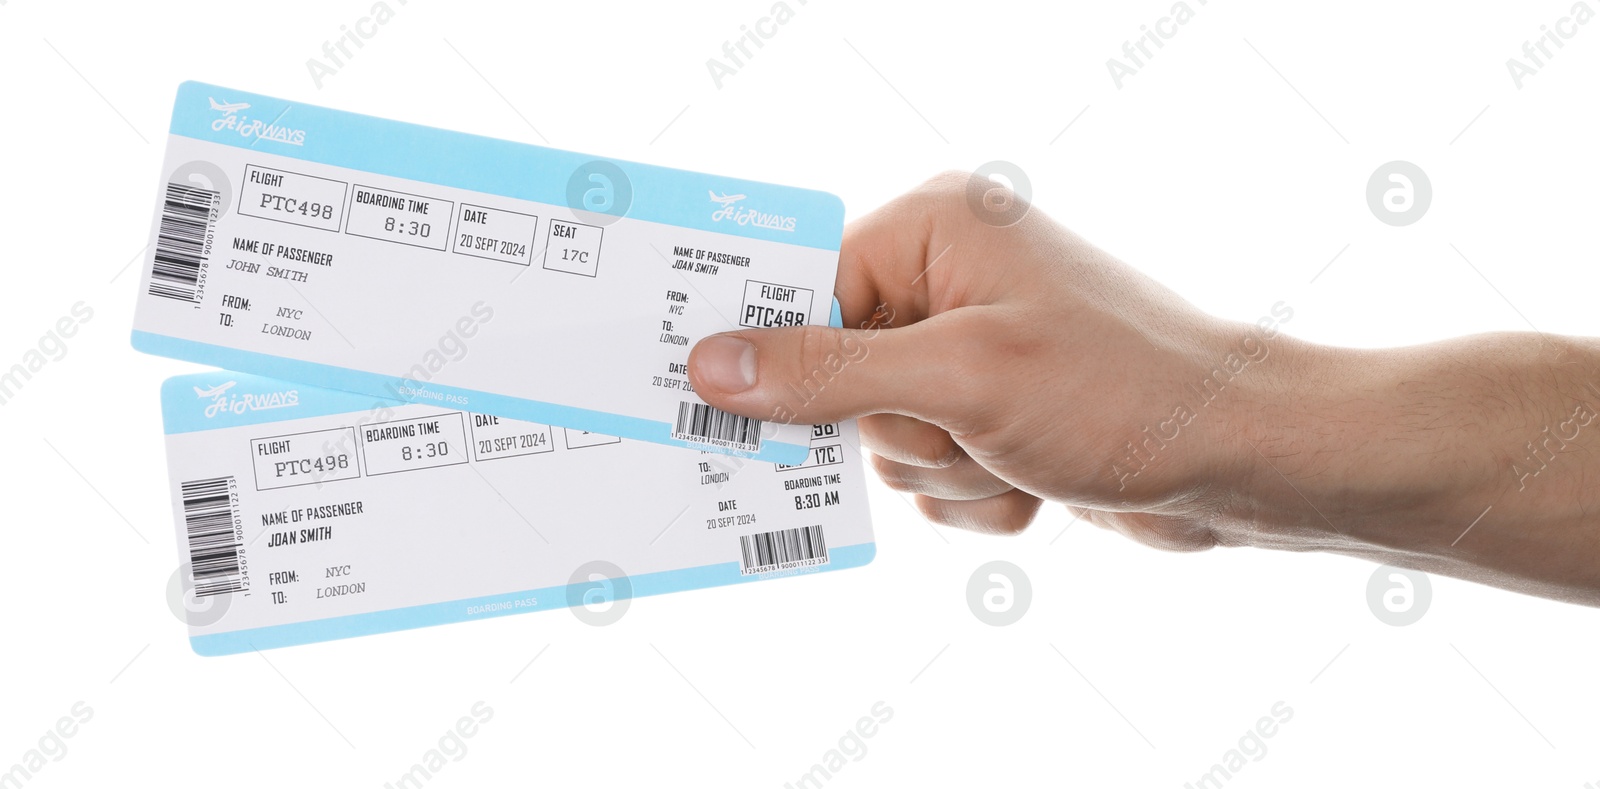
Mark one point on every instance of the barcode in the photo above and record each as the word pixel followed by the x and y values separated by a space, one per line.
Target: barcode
pixel 180 243
pixel 782 549
pixel 214 545
pixel 707 425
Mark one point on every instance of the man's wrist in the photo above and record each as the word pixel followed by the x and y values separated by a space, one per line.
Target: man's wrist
pixel 1408 451
pixel 1348 448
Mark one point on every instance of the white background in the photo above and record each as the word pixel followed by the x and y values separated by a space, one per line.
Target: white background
pixel 1233 167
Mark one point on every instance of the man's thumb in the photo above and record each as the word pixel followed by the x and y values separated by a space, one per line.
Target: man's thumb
pixel 811 374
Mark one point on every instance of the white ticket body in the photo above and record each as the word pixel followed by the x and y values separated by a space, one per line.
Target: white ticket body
pixel 429 266
pixel 307 514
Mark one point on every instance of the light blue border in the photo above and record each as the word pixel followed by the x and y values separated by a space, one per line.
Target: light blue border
pixel 181 420
pixel 354 625
pixel 184 411
pixel 499 167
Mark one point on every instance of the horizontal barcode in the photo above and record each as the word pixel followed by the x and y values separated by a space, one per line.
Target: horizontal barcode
pixel 702 423
pixel 782 549
pixel 180 242
pixel 208 519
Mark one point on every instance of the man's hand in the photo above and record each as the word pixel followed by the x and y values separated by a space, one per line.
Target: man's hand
pixel 997 366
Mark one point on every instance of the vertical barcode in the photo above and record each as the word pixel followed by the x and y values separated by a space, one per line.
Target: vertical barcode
pixel 782 549
pixel 180 242
pixel 208 519
pixel 701 422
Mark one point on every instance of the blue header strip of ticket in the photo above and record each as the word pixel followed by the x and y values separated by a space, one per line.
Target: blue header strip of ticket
pixel 732 206
pixel 213 400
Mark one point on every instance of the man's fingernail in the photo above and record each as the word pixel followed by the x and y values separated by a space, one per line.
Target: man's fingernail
pixel 726 363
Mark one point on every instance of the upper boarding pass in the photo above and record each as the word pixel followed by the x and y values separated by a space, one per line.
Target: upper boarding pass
pixel 307 514
pixel 430 266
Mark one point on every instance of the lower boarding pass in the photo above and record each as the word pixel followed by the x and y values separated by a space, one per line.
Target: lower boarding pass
pixel 429 266
pixel 307 514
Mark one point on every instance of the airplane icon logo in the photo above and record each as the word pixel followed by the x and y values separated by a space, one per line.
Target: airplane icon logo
pixel 215 391
pixel 228 108
pixel 725 200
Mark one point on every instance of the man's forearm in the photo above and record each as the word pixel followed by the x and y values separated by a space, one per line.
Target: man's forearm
pixel 1030 366
pixel 1477 457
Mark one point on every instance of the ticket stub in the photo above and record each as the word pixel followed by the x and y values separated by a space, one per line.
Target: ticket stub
pixel 428 266
pixel 306 514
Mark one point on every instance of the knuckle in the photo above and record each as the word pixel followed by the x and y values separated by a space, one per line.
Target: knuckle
pixel 1018 513
pixel 941 193
pixel 986 484
pixel 938 450
pixel 892 474
pixel 949 182
pixel 809 369
pixel 936 511
pixel 908 440
pixel 817 344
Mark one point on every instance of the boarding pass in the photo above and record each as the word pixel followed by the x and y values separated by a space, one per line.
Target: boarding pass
pixel 306 514
pixel 428 266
